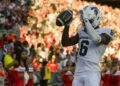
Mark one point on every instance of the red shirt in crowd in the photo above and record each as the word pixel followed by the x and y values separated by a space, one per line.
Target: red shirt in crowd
pixel 16 78
pixel 1 43
pixel 67 80
pixel 111 80
pixel 106 80
pixel 116 80
pixel 52 66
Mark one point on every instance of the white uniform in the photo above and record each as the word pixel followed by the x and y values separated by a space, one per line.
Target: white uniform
pixel 87 71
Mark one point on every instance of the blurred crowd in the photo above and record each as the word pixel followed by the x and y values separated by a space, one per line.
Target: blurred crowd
pixel 34 55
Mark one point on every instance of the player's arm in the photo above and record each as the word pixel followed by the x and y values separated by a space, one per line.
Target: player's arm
pixel 66 40
pixel 103 38
pixel 91 31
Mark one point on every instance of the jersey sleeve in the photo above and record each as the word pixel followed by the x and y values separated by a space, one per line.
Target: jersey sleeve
pixel 79 32
pixel 106 35
pixel 110 32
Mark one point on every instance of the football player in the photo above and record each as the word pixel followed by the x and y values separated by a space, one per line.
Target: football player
pixel 92 42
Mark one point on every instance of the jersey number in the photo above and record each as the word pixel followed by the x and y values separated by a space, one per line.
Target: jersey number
pixel 84 48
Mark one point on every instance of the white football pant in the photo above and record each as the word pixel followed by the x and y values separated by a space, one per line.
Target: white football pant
pixel 87 79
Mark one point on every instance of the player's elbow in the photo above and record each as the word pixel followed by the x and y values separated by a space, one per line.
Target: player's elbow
pixel 64 44
pixel 97 40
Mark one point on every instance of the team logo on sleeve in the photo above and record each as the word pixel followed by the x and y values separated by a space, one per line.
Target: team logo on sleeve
pixel 111 33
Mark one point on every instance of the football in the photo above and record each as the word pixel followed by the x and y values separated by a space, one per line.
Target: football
pixel 65 17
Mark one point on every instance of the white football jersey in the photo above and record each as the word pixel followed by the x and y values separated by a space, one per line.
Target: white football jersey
pixel 90 53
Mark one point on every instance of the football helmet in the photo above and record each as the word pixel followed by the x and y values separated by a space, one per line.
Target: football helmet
pixel 92 14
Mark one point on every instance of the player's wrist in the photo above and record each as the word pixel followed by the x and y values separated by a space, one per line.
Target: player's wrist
pixel 67 26
pixel 86 20
pixel 67 23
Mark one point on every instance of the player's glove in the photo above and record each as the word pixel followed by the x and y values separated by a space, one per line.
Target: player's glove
pixel 84 16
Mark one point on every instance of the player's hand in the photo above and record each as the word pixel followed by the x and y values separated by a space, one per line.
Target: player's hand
pixel 68 23
pixel 64 18
pixel 84 16
pixel 68 17
pixel 87 15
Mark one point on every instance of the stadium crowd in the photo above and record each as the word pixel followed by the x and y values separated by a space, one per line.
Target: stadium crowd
pixel 35 55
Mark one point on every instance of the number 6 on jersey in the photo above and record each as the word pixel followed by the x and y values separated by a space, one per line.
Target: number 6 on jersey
pixel 83 47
